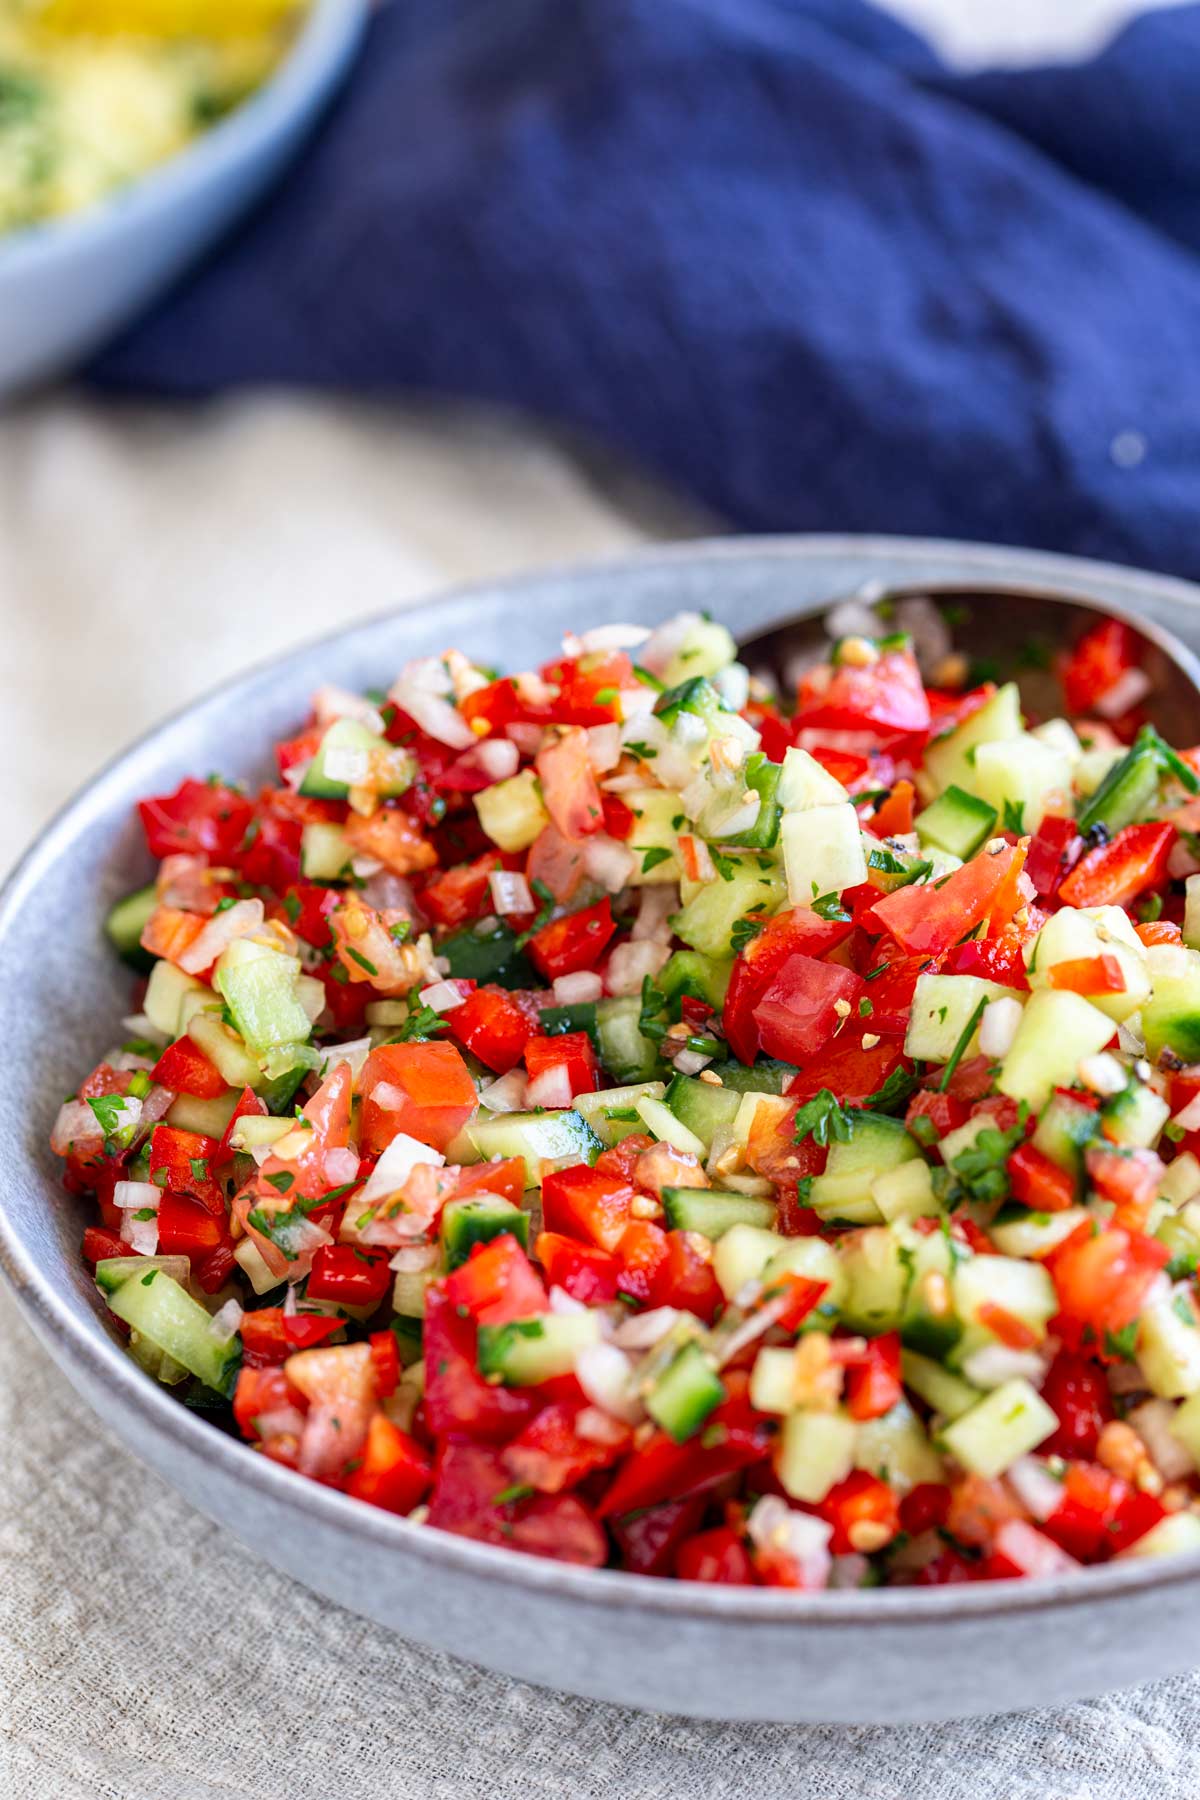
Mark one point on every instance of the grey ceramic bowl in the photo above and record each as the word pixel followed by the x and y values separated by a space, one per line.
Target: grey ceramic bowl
pixel 682 1648
pixel 69 284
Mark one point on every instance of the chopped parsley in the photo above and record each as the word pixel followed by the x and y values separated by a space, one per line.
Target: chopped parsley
pixel 824 1119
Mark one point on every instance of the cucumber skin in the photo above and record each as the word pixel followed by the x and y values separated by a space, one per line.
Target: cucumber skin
pixel 491 961
pixel 477 1220
pixel 156 1305
pixel 125 923
pixel 712 1213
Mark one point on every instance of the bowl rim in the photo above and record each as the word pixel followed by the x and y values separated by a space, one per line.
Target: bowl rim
pixel 326 37
pixel 103 1360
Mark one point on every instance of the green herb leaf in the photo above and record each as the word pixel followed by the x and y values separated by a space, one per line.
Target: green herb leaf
pixel 824 1120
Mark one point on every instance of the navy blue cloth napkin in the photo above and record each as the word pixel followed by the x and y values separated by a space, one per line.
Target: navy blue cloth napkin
pixel 772 248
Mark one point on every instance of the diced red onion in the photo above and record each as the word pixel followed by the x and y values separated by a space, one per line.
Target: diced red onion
pixel 926 626
pixel 397 1162
pixel 236 921
pixel 1181 862
pixel 607 862
pixel 552 1088
pixel 441 996
pixel 340 1165
pixel 525 735
pixel 606 1376
pixel 506 1095
pixel 629 965
pixel 510 892
pixel 690 1062
pixel 226 1322
pixel 136 1196
pixel 658 901
pixel 1040 1493
pixel 577 989
pixel 775 1526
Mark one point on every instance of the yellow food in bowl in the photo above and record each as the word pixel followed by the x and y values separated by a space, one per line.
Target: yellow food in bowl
pixel 93 93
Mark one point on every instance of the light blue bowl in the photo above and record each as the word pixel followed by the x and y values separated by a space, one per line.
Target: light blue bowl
pixel 69 285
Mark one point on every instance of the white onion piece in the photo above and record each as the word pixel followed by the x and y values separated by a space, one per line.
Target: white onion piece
pixel 354 1051
pixel 604 747
pixel 140 1234
pixel 998 1028
pixel 1152 1422
pixel 578 989
pixel 127 1062
pixel 1188 1117
pixel 1126 692
pixel 1102 1073
pixel 662 644
pixel 690 1062
pixel 525 735
pixel 733 684
pixel 505 1095
pixel 397 1162
pixel 441 996
pixel 331 703
pixel 281 1421
pixel 607 862
pixel 1039 1492
pixel 138 1025
pixel 421 690
pixel 658 902
pixel 226 1322
pixel 498 757
pixel 551 1089
pixel 599 1427
pixel 741 818
pixel 630 963
pixel 136 1196
pixel 386 892
pixel 414 1259
pixel 340 1165
pixel 635 702
pixel 604 637
pixel 641 1331
pixel 76 1123
pixel 606 1376
pixel 236 921
pixel 993 1364
pixel 510 892
pixel 851 618
pixel 775 1526
pixel 344 763
pixel 561 1302
pixel 1181 861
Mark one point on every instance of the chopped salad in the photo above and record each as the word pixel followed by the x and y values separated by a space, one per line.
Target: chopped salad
pixel 630 1115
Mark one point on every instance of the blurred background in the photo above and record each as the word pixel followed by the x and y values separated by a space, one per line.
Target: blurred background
pixel 355 402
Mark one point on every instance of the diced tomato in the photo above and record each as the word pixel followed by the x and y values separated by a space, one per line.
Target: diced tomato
pixel 185 1069
pixel 895 816
pixel 98 1244
pixel 860 1501
pixel 1100 1514
pixel 804 1005
pixel 622 1158
pixel 385 1358
pixel 945 1113
pixel 576 941
pixel 568 783
pixel 1127 1178
pixel 307 909
pixel 589 685
pixel 169 932
pixel 470 1485
pixel 214 1270
pixel 886 697
pixel 619 820
pixel 458 1401
pixel 550 1455
pixel 927 920
pixel 643 1254
pixel 772 1150
pixel 1039 1183
pixel 422 1089
pixel 850 1072
pixel 186 1227
pixel 495 1026
pixel 1077 1390
pixel 497 1283
pixel 587 1273
pixel 924 1507
pixel 506 1178
pixel 557 862
pixel 685 1279
pixel 291 752
pixel 200 818
pixel 393 1472
pixel 1021 1549
pixel 269 1335
pixel 649 1541
pixel 719 1556
pixel 993 959
pixel 1105 652
pixel 1117 872
pixel 1159 931
pixel 799 1296
pixel 891 978
pixel 327 1118
pixel 260 1391
pixel 735 1438
pixel 1055 848
pixel 183 1161
pixel 798 932
pixel 455 896
pixel 1102 1282
pixel 249 1105
pixel 349 1276
pixel 572 1053
pixel 873 1384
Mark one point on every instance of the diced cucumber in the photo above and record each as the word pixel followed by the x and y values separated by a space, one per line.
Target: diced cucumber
pixel 773 1380
pixel 1172 1536
pixel 1018 1232
pixel 711 1213
pixel 1171 1016
pixel 226 1052
pixel 556 1137
pixel 805 783
pixel 906 1192
pixel 816 1260
pixel 845 1190
pixel 823 852
pixel 1058 1029
pixel 707 919
pixel 125 923
pixel 662 1124
pixel 155 1305
pixel 1168 1345
pixel 259 988
pixel 254 1267
pixel 762 778
pixel 999 1429
pixel 704 977
pixel 701 1107
pixel 816 1451
pixel 1019 776
pixel 410 1290
pixel 895 1446
pixel 325 852
pixel 1191 912
pixel 166 991
pixel 877 1263
pixel 957 822
pixel 625 1052
pixel 948 1394
pixel 741 1256
pixel 1064 1131
pixel 113 1272
pixel 492 958
pixel 189 1112
pixel 766 1076
pixel 949 759
pixel 929 1323
pixel 1023 1289
pixel 1181 1180
pixel 477 1220
pixel 1075 935
pixel 612 1114
pixel 707 647
pixel 1185 1425
pixel 529 1351
pixel 1134 1118
pixel 942 1007
pixel 392 769
pixel 686 1392
pixel 511 812
pixel 1127 792
pixel 694 695
pixel 658 818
